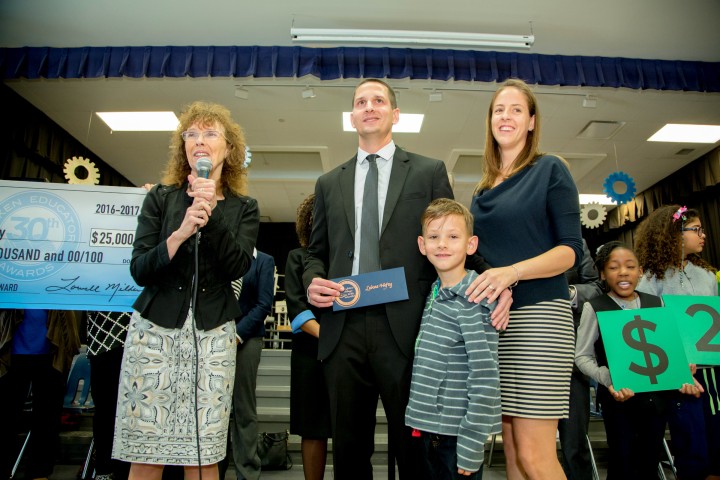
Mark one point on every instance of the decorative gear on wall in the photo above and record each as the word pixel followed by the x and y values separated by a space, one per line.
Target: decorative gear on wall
pixel 92 176
pixel 593 215
pixel 618 197
pixel 248 157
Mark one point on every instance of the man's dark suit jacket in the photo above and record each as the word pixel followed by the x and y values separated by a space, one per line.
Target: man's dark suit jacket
pixel 256 297
pixel 414 182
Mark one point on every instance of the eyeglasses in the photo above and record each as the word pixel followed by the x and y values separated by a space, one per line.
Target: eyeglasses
pixel 699 230
pixel 210 135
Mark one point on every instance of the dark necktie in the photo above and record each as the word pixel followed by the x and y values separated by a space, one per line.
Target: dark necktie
pixel 369 222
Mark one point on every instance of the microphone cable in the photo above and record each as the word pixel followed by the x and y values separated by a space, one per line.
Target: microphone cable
pixel 203 167
pixel 193 304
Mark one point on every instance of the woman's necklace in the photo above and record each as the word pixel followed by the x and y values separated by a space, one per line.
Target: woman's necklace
pixel 633 304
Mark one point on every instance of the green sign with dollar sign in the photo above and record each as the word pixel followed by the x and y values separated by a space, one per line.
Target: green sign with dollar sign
pixel 698 321
pixel 644 350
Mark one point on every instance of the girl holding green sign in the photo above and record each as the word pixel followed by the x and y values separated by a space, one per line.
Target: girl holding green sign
pixel 669 243
pixel 634 422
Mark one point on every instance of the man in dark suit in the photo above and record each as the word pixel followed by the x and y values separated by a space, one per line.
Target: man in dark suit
pixel 368 351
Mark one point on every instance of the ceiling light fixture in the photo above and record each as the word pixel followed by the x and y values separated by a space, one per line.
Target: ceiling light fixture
pixel 240 92
pixel 675 132
pixel 411 37
pixel 139 121
pixel 308 93
pixel 408 123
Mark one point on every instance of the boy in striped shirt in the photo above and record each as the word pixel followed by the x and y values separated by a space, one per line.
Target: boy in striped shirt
pixel 454 401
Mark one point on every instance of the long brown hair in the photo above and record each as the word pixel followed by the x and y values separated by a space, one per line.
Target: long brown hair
pixel 658 244
pixel 493 160
pixel 234 173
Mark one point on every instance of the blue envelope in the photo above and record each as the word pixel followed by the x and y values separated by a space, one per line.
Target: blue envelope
pixel 372 288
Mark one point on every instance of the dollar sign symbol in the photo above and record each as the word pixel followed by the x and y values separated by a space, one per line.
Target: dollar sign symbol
pixel 652 371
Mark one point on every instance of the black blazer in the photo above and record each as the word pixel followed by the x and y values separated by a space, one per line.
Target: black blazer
pixel 226 248
pixel 414 182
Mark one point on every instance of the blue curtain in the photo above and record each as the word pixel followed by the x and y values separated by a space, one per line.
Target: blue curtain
pixel 357 62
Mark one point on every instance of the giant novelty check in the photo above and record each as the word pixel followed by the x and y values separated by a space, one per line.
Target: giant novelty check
pixel 67 247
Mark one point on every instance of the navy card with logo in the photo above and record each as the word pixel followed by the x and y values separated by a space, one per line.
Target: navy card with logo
pixel 372 288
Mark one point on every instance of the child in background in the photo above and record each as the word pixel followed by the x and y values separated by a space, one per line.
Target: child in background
pixel 668 244
pixel 454 401
pixel 634 423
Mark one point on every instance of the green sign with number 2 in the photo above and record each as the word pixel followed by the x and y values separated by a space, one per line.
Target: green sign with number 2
pixel 698 321
pixel 644 350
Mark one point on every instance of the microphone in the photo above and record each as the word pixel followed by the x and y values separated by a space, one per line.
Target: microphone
pixel 203 167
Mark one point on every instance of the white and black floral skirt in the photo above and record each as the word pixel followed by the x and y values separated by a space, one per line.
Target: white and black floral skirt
pixel 158 409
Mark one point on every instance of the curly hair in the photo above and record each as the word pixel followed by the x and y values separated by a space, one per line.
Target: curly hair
pixel 659 242
pixel 493 160
pixel 234 173
pixel 304 221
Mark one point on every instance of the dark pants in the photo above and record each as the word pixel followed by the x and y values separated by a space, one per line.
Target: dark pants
pixel 245 427
pixel 243 438
pixel 48 390
pixel 688 433
pixel 104 381
pixel 709 378
pixel 576 459
pixel 366 363
pixel 439 455
pixel 695 429
pixel 635 430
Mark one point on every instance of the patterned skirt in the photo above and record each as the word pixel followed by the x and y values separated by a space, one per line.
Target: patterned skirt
pixel 536 355
pixel 158 405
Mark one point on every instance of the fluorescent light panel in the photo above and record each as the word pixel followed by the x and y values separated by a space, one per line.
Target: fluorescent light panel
pixel 586 198
pixel 408 123
pixel 674 132
pixel 139 121
pixel 410 37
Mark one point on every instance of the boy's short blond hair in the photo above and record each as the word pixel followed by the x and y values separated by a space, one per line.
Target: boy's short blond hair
pixel 444 207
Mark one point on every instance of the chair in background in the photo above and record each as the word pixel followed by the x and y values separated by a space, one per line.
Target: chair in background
pixel 280 325
pixel 77 400
pixel 596 475
pixel 77 394
pixel 281 314
pixel 670 462
pixel 492 449
pixel 27 408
